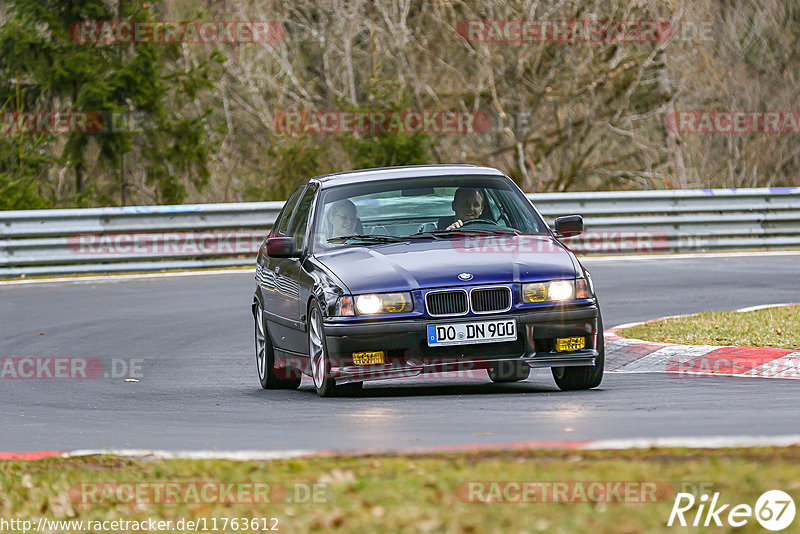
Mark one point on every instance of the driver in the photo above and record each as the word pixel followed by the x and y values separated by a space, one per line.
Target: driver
pixel 343 219
pixel 468 204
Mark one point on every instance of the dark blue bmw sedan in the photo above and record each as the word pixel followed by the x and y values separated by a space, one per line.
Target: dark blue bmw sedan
pixel 395 272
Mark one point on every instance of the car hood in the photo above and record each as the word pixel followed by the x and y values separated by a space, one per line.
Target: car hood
pixel 429 264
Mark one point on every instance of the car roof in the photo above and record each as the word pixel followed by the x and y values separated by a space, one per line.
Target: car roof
pixel 407 171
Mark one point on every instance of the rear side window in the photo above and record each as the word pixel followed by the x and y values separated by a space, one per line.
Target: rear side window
pixel 288 209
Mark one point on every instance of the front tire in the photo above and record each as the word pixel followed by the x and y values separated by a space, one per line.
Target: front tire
pixel 585 377
pixel 324 383
pixel 265 357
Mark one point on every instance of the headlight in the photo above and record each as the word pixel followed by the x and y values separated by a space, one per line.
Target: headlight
pixel 368 304
pixel 561 290
pixel 376 303
pixel 555 291
pixel 534 293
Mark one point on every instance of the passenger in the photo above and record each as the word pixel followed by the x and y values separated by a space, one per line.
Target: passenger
pixel 343 219
pixel 468 204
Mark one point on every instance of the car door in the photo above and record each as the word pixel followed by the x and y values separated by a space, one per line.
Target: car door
pixel 278 308
pixel 292 279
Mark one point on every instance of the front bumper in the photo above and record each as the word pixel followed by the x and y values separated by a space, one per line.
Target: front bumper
pixel 404 342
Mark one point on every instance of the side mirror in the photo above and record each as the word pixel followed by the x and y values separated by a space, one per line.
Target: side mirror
pixel 569 226
pixel 282 247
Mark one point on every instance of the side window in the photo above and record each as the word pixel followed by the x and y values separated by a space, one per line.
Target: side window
pixel 300 219
pixel 288 209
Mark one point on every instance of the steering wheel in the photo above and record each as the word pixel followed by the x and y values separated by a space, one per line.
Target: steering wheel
pixel 479 221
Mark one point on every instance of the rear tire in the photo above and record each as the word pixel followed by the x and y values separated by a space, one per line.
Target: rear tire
pixel 585 377
pixel 265 357
pixel 504 372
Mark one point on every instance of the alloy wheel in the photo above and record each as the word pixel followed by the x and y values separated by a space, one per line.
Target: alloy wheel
pixel 316 348
pixel 261 343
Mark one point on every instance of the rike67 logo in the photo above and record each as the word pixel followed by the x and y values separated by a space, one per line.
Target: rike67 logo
pixel 774 510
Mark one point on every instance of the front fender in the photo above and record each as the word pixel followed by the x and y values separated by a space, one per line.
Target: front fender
pixel 326 287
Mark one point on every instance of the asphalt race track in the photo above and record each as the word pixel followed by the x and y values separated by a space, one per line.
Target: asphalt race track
pixel 193 337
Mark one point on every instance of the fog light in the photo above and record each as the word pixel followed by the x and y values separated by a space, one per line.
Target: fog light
pixel 566 344
pixel 368 358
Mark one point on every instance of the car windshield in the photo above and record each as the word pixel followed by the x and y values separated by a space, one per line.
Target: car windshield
pixel 422 208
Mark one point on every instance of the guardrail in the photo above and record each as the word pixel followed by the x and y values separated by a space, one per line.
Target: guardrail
pixel 153 238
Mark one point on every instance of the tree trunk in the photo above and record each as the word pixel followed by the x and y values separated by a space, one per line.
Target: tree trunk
pixel 672 142
pixel 79 178
pixel 123 189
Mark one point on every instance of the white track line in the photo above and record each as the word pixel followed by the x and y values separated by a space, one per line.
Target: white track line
pixel 711 442
pixel 192 455
pixel 763 307
pixel 637 323
pixel 715 442
pixel 625 325
pixel 687 256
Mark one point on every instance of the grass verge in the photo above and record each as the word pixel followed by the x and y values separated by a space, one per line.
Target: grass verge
pixel 769 327
pixel 403 493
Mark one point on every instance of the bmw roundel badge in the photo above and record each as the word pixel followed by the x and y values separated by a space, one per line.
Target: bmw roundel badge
pixel 465 276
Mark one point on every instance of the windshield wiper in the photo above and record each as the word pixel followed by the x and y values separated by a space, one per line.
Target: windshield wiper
pixel 456 232
pixel 376 238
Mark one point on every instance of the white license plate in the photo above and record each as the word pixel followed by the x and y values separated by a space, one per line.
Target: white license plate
pixel 467 333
